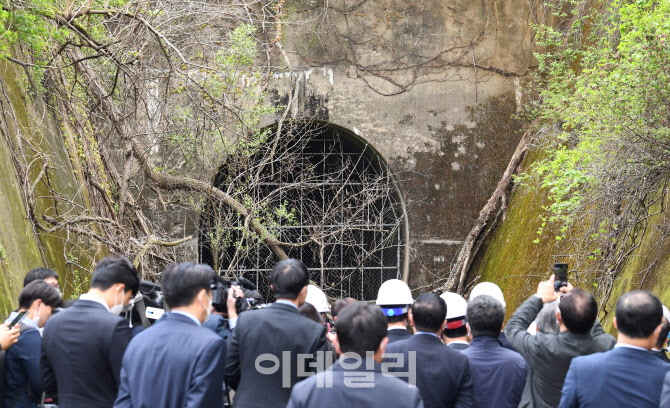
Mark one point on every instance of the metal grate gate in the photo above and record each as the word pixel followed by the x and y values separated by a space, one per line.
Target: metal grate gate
pixel 346 220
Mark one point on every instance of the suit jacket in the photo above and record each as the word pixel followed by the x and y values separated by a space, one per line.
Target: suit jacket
pixel 173 364
pixel 498 374
pixel 397 335
pixel 219 325
pixel 442 374
pixel 622 377
pixel 267 338
pixel 82 350
pixel 23 387
pixel 665 393
pixel 505 343
pixel 549 355
pixel 354 387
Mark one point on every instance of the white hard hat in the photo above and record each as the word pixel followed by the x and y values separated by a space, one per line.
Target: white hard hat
pixel 318 299
pixel 394 292
pixel 488 288
pixel 456 305
pixel 666 313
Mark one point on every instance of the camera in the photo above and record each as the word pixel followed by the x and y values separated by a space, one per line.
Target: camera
pixel 560 276
pixel 149 303
pixel 252 298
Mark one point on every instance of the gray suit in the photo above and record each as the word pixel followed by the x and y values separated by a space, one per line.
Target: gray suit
pixel 360 386
pixel 549 355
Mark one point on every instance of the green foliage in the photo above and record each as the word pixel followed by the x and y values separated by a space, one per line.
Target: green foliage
pixel 3 253
pixel 81 281
pixel 604 93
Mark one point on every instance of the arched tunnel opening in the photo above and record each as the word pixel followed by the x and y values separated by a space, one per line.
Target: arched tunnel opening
pixel 326 194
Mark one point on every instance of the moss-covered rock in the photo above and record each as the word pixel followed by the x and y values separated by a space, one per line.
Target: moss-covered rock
pixel 32 138
pixel 513 259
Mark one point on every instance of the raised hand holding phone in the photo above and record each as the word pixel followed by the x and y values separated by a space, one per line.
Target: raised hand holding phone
pixel 18 319
pixel 8 336
pixel 545 290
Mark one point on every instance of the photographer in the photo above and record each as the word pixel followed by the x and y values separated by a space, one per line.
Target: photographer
pixel 549 355
pixel 223 322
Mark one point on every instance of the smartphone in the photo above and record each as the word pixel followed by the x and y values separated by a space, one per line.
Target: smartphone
pixel 560 276
pixel 17 319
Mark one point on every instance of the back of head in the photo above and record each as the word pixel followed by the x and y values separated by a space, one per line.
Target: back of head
pixel 39 274
pixel 288 278
pixel 309 311
pixel 488 288
pixel 456 310
pixel 546 319
pixel 181 282
pixel 485 316
pixel 113 270
pixel 39 289
pixel 428 312
pixel 360 329
pixel 395 299
pixel 638 314
pixel 578 311
pixel 341 304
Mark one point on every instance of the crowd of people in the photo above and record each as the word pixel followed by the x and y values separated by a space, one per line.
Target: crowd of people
pixel 306 351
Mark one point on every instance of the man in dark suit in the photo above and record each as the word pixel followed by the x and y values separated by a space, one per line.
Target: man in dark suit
pixel 176 363
pixel 272 349
pixel 83 345
pixel 395 299
pixel 357 379
pixel 548 355
pixel 442 374
pixel 629 375
pixel 498 374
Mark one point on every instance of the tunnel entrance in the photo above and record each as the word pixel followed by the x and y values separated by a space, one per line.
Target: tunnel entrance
pixel 327 195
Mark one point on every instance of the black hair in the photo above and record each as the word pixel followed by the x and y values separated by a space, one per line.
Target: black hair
pixel 578 311
pixel 638 314
pixel 341 304
pixel 663 335
pixel 546 319
pixel 428 312
pixel 39 289
pixel 39 274
pixel 181 282
pixel 396 318
pixel 113 270
pixel 288 278
pixel 485 316
pixel 453 333
pixel 360 328
pixel 309 311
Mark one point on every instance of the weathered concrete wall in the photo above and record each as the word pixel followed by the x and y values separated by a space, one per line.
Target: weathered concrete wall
pixel 31 138
pixel 431 86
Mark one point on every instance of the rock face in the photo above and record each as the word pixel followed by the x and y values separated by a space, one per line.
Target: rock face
pixel 33 140
pixel 432 86
pixel 516 258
